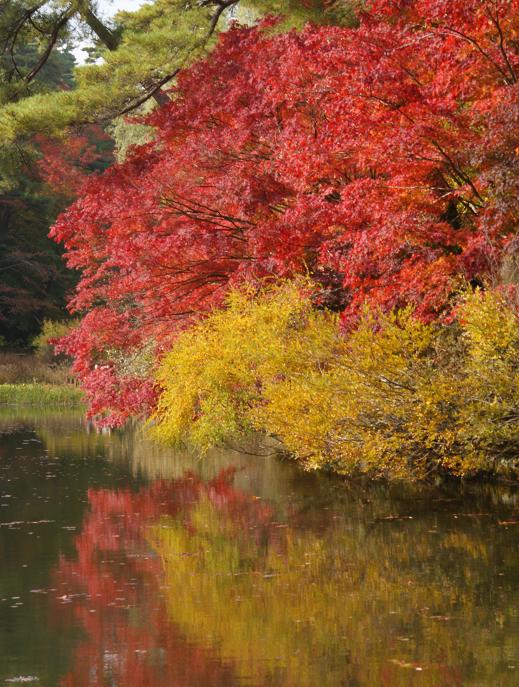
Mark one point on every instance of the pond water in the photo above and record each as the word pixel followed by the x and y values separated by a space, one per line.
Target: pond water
pixel 126 564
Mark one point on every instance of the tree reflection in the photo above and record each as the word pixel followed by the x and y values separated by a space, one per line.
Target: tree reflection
pixel 199 584
pixel 113 589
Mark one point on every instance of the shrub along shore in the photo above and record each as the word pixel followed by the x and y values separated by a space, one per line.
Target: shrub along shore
pixel 394 397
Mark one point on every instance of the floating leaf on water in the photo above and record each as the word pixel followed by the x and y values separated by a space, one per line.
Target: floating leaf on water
pixel 23 678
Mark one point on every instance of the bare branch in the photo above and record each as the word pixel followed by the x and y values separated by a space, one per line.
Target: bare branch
pixel 149 93
pixel 52 42
pixel 222 6
pixel 495 21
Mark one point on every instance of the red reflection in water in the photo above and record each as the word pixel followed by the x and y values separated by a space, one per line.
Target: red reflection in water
pixel 113 589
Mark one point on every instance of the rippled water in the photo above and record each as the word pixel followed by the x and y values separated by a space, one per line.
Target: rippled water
pixel 125 564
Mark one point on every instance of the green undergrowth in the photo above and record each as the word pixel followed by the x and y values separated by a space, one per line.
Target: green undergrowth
pixel 63 395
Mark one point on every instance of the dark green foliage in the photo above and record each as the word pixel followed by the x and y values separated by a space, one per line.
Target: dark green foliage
pixel 33 278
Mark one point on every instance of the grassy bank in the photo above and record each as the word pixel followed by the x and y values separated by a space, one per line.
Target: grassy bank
pixel 36 380
pixel 41 394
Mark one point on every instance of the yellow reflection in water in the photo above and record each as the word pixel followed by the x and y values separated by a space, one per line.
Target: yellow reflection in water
pixel 396 603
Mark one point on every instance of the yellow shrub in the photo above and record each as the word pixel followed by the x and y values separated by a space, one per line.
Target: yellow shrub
pixel 215 374
pixel 489 395
pixel 396 397
pixel 52 329
pixel 359 412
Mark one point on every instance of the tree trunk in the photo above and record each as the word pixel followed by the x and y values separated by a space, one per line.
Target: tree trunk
pixel 109 39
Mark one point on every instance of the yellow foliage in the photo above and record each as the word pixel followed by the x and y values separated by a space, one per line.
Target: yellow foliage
pixel 52 329
pixel 215 374
pixel 395 397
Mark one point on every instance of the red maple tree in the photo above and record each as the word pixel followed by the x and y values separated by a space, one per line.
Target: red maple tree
pixel 380 159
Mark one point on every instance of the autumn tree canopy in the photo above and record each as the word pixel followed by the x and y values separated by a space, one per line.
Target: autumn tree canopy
pixel 380 159
pixel 46 102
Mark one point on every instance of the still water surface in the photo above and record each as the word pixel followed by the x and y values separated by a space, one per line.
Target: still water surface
pixel 125 564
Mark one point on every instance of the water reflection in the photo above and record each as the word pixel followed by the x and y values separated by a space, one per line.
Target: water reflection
pixel 243 571
pixel 114 590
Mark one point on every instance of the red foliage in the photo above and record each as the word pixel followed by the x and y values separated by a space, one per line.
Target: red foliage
pixel 382 159
pixel 66 165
